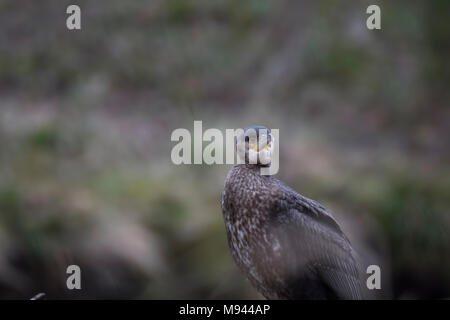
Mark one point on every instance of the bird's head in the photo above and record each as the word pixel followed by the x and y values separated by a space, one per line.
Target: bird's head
pixel 255 146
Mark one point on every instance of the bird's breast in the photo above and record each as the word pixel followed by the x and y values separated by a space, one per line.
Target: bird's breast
pixel 248 202
pixel 254 248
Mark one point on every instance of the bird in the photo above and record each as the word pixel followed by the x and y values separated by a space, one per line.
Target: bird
pixel 288 246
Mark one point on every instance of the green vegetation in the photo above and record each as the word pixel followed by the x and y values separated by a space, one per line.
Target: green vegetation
pixel 86 118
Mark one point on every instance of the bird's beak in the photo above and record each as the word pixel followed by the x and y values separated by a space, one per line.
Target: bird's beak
pixel 254 147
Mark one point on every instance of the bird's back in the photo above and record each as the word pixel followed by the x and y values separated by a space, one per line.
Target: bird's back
pixel 287 245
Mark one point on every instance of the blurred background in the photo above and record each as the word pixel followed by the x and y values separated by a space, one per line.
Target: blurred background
pixel 86 117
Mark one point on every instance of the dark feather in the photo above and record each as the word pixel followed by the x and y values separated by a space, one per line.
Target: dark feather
pixel 289 246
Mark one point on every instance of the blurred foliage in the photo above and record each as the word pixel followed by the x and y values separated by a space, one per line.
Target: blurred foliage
pixel 86 118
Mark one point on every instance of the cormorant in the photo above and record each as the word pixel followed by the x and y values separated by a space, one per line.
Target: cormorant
pixel 287 245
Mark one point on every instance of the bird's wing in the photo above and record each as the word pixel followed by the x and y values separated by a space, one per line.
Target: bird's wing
pixel 292 200
pixel 319 252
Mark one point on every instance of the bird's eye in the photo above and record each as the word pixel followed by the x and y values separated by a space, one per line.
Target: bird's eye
pixel 250 139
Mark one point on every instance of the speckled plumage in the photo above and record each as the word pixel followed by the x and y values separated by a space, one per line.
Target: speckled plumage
pixel 288 246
